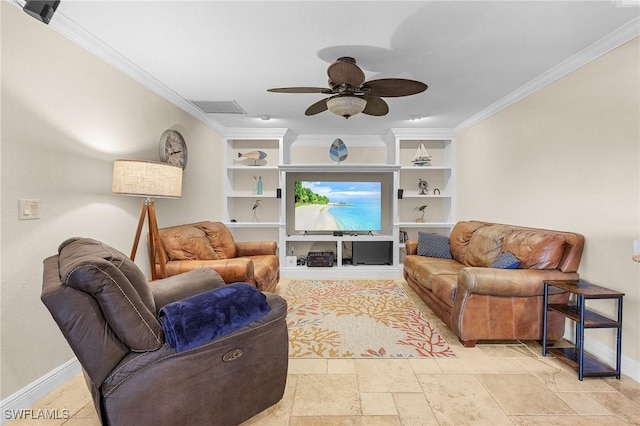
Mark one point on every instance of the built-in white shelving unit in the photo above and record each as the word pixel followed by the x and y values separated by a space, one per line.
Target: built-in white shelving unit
pixel 240 183
pixel 388 158
pixel 439 215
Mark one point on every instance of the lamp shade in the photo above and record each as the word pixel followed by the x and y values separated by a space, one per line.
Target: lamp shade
pixel 147 179
pixel 346 106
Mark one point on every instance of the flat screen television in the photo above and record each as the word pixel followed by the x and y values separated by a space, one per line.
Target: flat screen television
pixel 334 206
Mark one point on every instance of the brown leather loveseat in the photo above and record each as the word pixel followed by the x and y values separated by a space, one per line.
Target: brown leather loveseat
pixel 479 302
pixel 211 245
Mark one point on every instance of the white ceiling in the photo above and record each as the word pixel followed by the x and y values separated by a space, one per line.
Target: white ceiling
pixel 472 54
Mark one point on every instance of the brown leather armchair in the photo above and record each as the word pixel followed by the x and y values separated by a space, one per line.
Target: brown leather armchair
pixel 109 315
pixel 211 245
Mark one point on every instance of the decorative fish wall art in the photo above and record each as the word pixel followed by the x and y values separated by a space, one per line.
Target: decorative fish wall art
pixel 253 155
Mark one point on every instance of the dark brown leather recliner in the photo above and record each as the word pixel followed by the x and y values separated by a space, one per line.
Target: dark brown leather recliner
pixel 109 315
pixel 211 245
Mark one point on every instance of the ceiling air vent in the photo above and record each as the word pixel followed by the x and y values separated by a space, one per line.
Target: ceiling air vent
pixel 219 107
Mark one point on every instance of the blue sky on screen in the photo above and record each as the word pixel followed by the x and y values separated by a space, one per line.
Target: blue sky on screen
pixel 345 191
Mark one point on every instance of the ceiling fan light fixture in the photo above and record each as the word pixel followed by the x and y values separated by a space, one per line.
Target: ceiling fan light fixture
pixel 346 106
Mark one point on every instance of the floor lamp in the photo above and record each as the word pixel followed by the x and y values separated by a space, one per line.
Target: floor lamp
pixel 148 179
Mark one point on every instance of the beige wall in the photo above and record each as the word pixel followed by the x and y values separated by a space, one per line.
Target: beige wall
pixel 66 115
pixel 568 157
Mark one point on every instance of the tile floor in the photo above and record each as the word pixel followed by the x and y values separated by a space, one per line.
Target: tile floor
pixel 506 383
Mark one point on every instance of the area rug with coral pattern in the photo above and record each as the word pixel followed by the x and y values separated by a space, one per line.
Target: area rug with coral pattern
pixel 358 319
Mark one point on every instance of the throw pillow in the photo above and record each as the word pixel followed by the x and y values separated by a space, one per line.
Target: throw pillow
pixel 433 245
pixel 506 260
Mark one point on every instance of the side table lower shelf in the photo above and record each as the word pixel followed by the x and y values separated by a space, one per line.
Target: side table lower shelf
pixel 586 364
pixel 593 367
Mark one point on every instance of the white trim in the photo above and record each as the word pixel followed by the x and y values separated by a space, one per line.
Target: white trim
pixel 37 390
pixel 254 133
pixel 592 52
pixel 422 133
pixel 339 168
pixel 71 30
pixel 77 34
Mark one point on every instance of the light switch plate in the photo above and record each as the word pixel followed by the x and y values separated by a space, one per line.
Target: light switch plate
pixel 28 209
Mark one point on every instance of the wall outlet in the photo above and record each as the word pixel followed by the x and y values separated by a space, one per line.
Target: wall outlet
pixel 291 261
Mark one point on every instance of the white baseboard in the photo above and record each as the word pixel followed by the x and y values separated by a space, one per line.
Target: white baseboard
pixel 628 367
pixel 37 390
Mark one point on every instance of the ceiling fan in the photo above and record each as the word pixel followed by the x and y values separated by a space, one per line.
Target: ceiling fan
pixel 351 94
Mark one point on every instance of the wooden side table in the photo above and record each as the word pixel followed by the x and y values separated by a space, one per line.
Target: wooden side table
pixel 586 364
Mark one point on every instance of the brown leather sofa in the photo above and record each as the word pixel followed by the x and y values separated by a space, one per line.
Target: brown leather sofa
pixel 211 245
pixel 479 302
pixel 109 315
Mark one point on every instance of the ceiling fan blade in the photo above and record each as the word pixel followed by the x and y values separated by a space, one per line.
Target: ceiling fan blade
pixel 375 106
pixel 345 71
pixel 300 90
pixel 317 108
pixel 394 87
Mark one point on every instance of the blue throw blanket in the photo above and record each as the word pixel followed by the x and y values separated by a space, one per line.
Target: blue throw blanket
pixel 196 320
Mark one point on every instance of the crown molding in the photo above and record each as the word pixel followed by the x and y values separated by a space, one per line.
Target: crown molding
pixel 422 133
pixel 69 29
pixel 89 42
pixel 617 38
pixel 255 133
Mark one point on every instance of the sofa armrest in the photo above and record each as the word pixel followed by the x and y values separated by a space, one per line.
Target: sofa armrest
pixel 411 247
pixel 256 248
pixel 508 282
pixel 181 286
pixel 239 269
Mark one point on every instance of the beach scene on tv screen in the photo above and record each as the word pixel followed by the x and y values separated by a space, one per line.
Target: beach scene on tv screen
pixel 338 206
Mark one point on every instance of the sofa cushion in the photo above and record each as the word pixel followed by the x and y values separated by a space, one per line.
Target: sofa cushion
pixel 186 243
pixel 433 245
pixel 535 249
pixel 460 237
pixel 506 260
pixel 423 269
pixel 485 245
